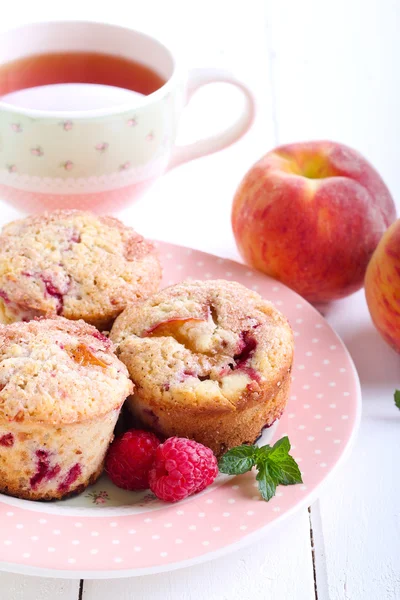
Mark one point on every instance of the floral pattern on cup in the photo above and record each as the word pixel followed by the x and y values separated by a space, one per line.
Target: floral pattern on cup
pixel 66 125
pixel 132 122
pixel 150 136
pixel 37 151
pixel 101 147
pixel 16 127
pixel 11 168
pixel 99 498
pixel 124 166
pixel 67 165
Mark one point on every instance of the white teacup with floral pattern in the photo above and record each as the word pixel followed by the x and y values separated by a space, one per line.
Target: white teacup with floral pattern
pixel 99 158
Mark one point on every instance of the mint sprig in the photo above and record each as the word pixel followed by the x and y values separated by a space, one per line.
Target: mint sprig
pixel 274 465
pixel 397 398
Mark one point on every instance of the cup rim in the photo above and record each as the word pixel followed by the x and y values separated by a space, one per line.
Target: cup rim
pixel 98 112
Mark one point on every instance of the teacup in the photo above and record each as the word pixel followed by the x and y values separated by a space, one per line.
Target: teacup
pixel 101 157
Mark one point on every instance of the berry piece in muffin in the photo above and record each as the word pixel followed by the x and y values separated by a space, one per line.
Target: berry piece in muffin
pixel 61 391
pixel 210 361
pixel 73 264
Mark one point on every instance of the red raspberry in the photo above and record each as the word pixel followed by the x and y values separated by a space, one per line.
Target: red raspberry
pixel 181 467
pixel 130 458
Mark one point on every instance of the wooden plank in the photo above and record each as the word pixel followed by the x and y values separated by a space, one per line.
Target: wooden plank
pixel 22 587
pixel 334 77
pixel 357 516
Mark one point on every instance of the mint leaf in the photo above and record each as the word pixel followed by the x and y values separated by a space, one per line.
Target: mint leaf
pixel 238 460
pixel 289 472
pixel 280 450
pixel 266 483
pixel 275 471
pixel 274 465
pixel 397 398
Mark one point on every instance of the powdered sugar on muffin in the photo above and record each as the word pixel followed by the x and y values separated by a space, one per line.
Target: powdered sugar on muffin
pixel 211 361
pixel 62 388
pixel 74 264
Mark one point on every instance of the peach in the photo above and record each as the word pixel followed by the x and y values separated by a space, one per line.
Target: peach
pixel 311 214
pixel 382 286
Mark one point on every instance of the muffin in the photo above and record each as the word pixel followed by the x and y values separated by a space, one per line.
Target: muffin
pixel 62 388
pixel 73 264
pixel 210 361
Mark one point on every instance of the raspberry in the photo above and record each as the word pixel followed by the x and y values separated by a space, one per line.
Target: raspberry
pixel 130 458
pixel 181 467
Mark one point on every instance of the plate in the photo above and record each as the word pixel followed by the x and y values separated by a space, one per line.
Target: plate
pixel 107 532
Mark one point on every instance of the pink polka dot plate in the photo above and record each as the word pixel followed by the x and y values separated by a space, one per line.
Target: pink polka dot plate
pixel 107 532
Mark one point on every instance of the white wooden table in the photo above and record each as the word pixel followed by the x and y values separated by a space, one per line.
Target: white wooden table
pixel 319 70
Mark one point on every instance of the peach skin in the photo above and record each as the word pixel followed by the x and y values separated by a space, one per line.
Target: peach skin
pixel 311 214
pixel 382 286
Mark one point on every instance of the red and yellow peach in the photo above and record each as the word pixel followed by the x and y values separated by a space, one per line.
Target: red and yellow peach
pixel 311 214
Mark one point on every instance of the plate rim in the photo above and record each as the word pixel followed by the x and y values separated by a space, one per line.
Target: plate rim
pixel 246 539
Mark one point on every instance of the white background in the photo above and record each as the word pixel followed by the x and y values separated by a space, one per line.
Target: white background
pixel 319 70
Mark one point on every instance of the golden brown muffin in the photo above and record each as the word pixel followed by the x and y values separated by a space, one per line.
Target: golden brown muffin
pixel 73 264
pixel 210 360
pixel 62 388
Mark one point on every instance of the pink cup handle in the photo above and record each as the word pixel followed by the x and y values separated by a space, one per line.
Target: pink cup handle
pixel 197 78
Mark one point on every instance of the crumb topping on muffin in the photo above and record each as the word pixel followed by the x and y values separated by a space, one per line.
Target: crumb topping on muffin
pixel 74 264
pixel 204 343
pixel 58 371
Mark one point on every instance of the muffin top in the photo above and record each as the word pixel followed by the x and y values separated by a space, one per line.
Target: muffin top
pixel 58 371
pixel 204 343
pixel 74 264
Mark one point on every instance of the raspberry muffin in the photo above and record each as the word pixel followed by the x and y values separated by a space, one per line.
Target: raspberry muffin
pixel 62 388
pixel 74 264
pixel 210 361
